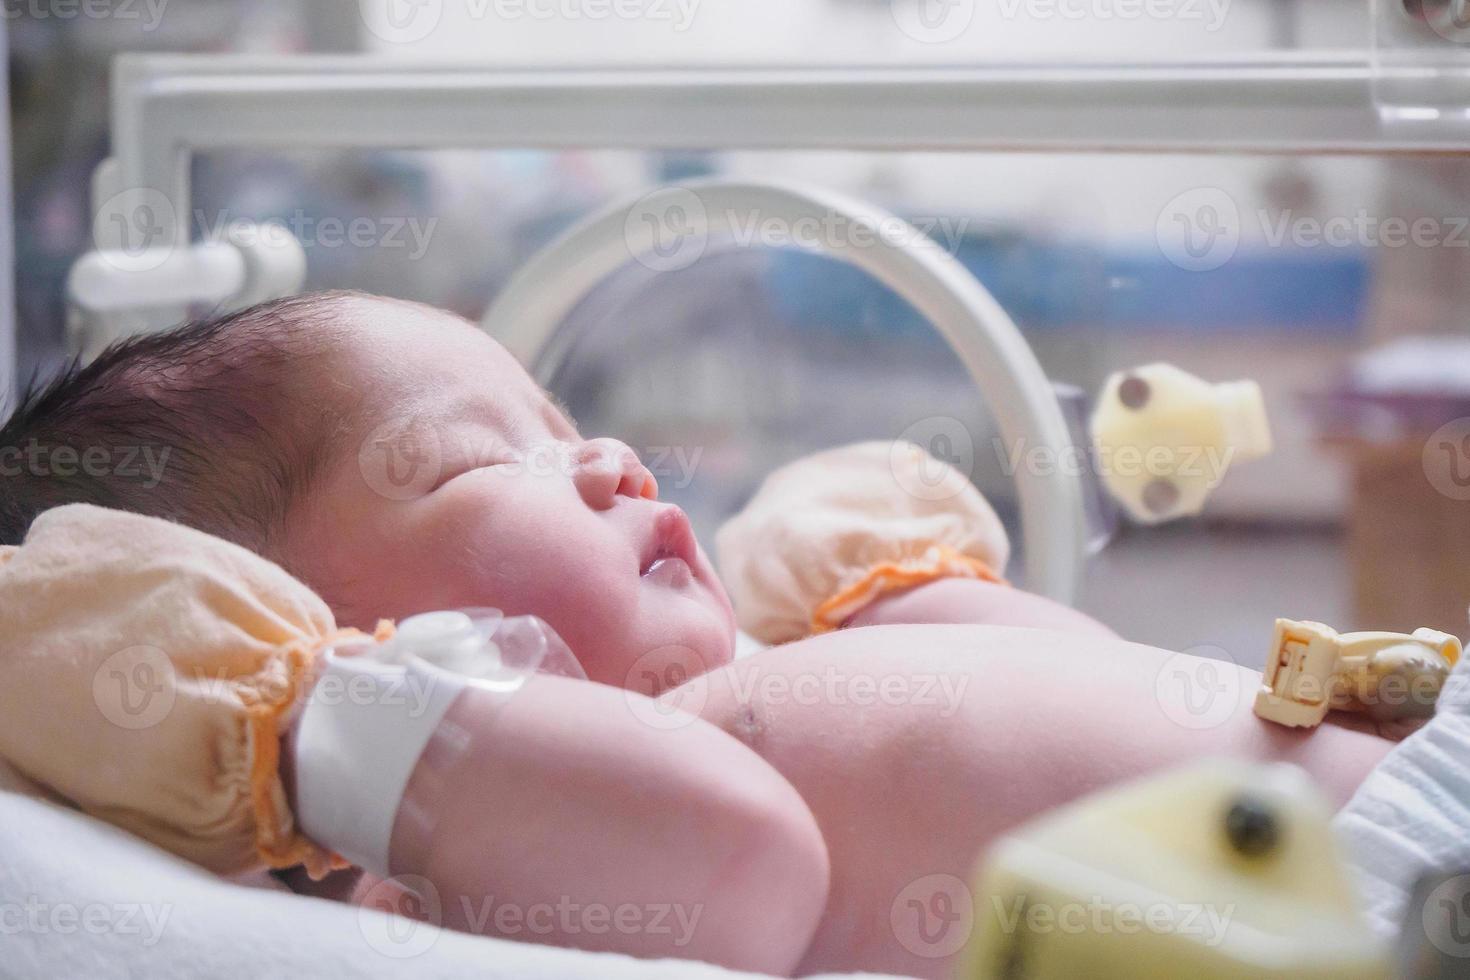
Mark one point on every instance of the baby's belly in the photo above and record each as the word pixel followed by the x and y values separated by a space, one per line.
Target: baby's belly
pixel 917 746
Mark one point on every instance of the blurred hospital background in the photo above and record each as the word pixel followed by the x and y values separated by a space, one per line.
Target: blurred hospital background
pixel 752 356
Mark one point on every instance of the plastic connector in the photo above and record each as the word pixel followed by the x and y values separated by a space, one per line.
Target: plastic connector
pixel 1218 871
pixel 1313 669
pixel 1163 439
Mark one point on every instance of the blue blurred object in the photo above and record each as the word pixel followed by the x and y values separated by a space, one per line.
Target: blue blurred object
pixel 1049 284
pixel 1267 289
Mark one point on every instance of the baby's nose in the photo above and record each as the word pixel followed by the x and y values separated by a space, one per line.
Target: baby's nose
pixel 607 469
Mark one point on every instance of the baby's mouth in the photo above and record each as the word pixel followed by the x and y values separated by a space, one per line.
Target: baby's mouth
pixel 673 572
pixel 669 558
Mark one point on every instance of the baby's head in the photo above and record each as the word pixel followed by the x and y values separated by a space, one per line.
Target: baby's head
pixel 394 458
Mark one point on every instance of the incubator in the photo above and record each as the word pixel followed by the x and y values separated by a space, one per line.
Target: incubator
pixel 926 286
pixel 737 253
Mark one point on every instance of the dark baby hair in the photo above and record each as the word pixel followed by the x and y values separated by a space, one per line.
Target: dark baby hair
pixel 209 424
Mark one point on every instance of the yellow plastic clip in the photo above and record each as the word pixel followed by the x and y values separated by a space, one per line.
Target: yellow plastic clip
pixel 1313 669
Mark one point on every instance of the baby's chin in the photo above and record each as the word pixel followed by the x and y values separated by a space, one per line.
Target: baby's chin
pixel 713 630
pixel 675 642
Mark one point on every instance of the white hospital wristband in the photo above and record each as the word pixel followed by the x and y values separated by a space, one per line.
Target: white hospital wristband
pixel 371 714
pixel 359 738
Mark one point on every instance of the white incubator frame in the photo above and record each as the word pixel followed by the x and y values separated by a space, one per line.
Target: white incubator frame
pixel 165 108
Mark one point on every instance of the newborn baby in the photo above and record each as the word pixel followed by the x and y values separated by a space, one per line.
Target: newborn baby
pixel 397 460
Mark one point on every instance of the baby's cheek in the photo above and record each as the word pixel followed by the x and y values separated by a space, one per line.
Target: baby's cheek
pixel 529 546
pixel 589 597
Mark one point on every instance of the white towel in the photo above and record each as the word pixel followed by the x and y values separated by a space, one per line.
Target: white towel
pixel 1411 816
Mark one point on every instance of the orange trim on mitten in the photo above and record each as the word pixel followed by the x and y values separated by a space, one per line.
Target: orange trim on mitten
pixel 278 840
pixel 937 562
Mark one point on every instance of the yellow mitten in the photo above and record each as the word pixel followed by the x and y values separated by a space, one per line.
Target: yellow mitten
pixel 147 671
pixel 828 534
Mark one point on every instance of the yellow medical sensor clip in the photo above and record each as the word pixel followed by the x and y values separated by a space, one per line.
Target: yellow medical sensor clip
pixel 1312 669
pixel 1221 871
pixel 1163 439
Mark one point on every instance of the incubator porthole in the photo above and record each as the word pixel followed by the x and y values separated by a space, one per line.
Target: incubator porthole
pixel 719 373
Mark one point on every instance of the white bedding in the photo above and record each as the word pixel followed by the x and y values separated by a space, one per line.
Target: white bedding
pixel 79 898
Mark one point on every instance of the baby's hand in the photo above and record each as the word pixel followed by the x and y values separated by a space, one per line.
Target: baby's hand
pixel 829 534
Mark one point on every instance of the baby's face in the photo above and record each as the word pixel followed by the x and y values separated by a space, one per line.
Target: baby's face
pixel 460 484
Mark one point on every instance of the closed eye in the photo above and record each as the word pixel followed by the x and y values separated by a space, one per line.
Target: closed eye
pixel 452 473
pixel 472 451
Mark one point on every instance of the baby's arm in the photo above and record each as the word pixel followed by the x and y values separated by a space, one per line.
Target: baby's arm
pixel 961 600
pixel 874 534
pixel 917 746
pixel 564 816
